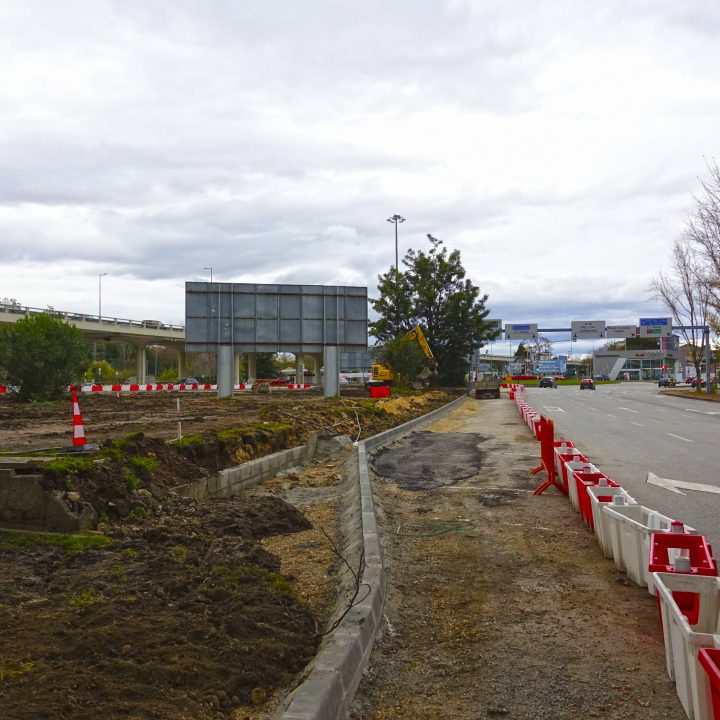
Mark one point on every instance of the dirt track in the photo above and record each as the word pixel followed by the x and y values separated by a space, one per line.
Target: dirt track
pixel 500 604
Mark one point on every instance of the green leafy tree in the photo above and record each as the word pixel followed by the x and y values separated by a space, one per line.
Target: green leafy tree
pixel 42 355
pixel 405 358
pixel 434 293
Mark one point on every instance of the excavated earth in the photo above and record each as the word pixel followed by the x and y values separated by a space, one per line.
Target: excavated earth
pixel 175 608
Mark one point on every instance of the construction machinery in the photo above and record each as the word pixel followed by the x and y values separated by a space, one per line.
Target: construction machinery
pixel 383 374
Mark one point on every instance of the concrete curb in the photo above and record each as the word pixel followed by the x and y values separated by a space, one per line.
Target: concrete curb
pixel 327 692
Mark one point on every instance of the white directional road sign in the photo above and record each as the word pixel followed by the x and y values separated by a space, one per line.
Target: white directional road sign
pixel 655 327
pixel 527 331
pixel 620 331
pixel 587 329
pixel 495 324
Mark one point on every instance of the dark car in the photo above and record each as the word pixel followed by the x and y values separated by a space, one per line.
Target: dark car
pixel 550 382
pixel 587 384
pixel 664 382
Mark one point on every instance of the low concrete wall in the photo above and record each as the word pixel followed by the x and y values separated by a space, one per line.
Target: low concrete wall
pixel 26 504
pixel 236 479
pixel 328 691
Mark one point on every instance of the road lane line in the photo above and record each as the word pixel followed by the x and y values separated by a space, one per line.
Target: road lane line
pixel 628 409
pixel 632 422
pixel 610 415
pixel 680 437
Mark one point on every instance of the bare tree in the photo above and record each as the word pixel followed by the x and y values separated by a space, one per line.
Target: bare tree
pixel 684 293
pixel 703 231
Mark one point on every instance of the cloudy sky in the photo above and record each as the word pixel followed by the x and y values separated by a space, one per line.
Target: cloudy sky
pixel 556 144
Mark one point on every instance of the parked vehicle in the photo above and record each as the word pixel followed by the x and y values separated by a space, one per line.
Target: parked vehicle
pixel 487 385
pixel 587 384
pixel 550 382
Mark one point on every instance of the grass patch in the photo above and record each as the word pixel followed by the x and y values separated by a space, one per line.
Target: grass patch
pixel 146 465
pixel 71 544
pixel 69 466
pixel 11 671
pixel 132 481
pixel 83 599
pixel 225 579
pixel 187 441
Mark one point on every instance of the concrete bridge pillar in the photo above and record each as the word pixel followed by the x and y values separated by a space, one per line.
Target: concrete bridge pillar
pixel 140 364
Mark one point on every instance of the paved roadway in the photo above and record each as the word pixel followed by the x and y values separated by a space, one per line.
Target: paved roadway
pixel 631 429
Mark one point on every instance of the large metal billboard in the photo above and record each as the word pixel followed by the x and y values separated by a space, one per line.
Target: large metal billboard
pixel 275 318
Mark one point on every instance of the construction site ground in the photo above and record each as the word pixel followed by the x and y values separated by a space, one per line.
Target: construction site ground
pixel 499 603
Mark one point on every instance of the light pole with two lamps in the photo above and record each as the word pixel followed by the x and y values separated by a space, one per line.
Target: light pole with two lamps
pixel 396 219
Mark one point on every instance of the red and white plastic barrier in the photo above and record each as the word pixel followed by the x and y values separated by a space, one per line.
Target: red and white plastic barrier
pixel 671 559
pixel 165 387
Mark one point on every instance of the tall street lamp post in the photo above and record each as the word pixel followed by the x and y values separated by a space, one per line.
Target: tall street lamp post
pixel 210 269
pixel 396 219
pixel 100 277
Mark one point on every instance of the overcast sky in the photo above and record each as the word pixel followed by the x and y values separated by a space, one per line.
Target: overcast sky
pixel 556 144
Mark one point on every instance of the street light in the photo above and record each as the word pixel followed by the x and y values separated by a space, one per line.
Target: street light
pixel 396 219
pixel 210 269
pixel 100 277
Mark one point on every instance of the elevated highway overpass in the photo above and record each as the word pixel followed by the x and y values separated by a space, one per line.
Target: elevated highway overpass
pixel 138 333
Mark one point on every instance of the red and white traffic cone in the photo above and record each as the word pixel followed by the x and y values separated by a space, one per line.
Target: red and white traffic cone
pixel 78 428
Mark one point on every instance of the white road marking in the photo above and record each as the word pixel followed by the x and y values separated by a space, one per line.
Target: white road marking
pixel 610 415
pixel 628 409
pixel 702 412
pixel 547 407
pixel 674 485
pixel 680 437
pixel 632 422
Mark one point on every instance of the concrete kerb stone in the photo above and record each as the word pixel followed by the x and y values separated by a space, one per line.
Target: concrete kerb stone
pixel 327 692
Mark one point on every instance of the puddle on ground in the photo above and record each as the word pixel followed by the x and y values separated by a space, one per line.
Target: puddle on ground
pixel 429 460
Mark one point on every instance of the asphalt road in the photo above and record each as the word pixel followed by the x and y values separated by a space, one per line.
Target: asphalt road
pixel 633 429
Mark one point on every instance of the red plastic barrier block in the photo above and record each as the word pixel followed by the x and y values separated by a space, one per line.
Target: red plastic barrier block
pixel 377 391
pixel 134 388
pixel 701 562
pixel 569 457
pixel 116 388
pixel 3 389
pixel 709 658
pixel 582 481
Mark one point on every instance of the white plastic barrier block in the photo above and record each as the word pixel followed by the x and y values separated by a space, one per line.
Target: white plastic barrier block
pixel 683 640
pixel 619 497
pixel 565 448
pixel 569 469
pixel 629 529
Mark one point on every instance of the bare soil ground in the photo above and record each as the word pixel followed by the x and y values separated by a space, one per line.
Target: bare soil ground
pixel 178 609
pixel 500 604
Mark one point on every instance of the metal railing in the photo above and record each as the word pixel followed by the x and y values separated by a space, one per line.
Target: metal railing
pixel 14 309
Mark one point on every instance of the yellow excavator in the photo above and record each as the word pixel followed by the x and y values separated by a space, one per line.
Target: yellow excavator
pixel 383 374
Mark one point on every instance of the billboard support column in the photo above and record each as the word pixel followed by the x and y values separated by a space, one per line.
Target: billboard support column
pixel 299 369
pixel 237 359
pixel 225 371
pixel 331 384
pixel 251 366
pixel 708 360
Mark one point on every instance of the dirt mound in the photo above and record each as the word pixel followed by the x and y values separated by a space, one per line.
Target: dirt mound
pixel 186 615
